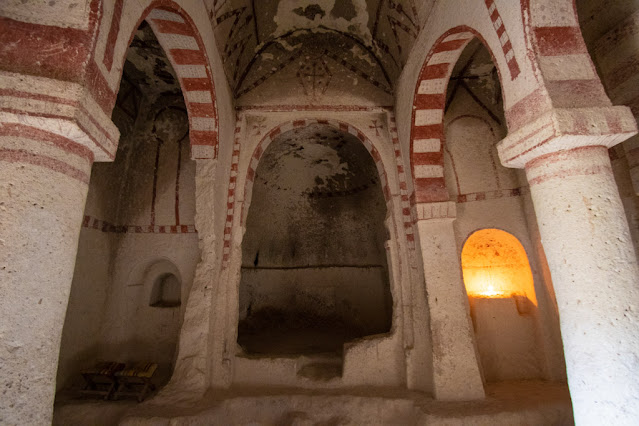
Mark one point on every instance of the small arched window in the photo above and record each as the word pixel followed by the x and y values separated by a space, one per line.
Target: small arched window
pixel 166 292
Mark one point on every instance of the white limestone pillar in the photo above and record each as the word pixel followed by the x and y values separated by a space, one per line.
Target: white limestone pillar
pixel 456 372
pixel 592 261
pixel 43 186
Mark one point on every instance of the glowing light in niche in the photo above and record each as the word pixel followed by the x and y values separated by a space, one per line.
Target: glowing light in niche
pixel 495 265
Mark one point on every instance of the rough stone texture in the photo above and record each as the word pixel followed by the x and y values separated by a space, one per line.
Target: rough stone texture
pixel 44 187
pixel 594 279
pixel 531 403
pixel 380 71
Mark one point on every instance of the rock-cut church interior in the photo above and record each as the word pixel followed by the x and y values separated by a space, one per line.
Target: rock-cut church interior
pixel 319 212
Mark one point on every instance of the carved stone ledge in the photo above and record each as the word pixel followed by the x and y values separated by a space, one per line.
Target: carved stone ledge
pixel 60 107
pixel 566 128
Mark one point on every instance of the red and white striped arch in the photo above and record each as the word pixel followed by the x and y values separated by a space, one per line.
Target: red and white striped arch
pixel 183 45
pixel 297 124
pixel 427 131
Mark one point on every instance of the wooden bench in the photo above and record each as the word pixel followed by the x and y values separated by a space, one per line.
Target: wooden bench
pixel 101 379
pixel 135 380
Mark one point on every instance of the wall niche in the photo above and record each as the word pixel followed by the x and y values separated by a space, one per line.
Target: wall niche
pixel 314 270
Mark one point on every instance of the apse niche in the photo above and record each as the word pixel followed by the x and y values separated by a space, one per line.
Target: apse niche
pixel 314 270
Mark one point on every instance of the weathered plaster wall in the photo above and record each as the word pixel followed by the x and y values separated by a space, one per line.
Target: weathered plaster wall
pixel 139 224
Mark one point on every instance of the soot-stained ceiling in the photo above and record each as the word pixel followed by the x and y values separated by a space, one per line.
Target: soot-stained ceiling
pixel 317 161
pixel 368 38
pixel 147 67
pixel 476 74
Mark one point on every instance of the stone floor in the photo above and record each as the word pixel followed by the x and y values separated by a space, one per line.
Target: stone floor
pixel 508 403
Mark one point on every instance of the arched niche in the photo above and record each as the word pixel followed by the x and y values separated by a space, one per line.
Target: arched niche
pixel 314 269
pixel 503 305
pixel 166 292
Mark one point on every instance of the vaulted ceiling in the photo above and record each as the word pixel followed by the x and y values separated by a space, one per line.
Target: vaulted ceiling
pixel 368 38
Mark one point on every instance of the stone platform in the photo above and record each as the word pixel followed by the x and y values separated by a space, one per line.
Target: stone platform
pixel 508 403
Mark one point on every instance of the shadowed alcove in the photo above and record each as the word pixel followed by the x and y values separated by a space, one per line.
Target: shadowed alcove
pixel 314 269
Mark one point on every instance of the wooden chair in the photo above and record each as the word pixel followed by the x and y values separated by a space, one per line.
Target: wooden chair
pixel 135 380
pixel 101 379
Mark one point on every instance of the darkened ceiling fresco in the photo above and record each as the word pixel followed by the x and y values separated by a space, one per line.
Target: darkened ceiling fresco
pixel 259 38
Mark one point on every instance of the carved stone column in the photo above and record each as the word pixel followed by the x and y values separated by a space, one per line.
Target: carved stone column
pixel 592 261
pixel 46 155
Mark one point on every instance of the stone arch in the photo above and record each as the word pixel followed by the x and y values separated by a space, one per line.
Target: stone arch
pixel 337 124
pixel 181 41
pixel 427 123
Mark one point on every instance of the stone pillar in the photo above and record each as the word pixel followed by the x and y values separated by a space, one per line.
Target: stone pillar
pixel 51 131
pixel 43 186
pixel 592 261
pixel 456 372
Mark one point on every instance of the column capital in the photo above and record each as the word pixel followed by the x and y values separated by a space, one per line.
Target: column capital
pixel 440 211
pixel 566 128
pixel 61 107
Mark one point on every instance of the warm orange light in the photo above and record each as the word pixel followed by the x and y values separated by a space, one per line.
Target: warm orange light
pixel 495 264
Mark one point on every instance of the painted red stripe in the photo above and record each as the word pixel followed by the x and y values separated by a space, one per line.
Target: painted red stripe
pixel 431 72
pixel 172 27
pixel 189 84
pixel 436 101
pixel 203 138
pixel 523 111
pixel 495 16
pixel 201 109
pixel 500 31
pixel 435 131
pixel 43 50
pixel 507 47
pixel 187 57
pixel 513 66
pixel 451 45
pixel 430 190
pixel 113 34
pixel 37 96
pixel 21 156
pixel 23 131
pixel 273 133
pixel 553 41
pixel 430 158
